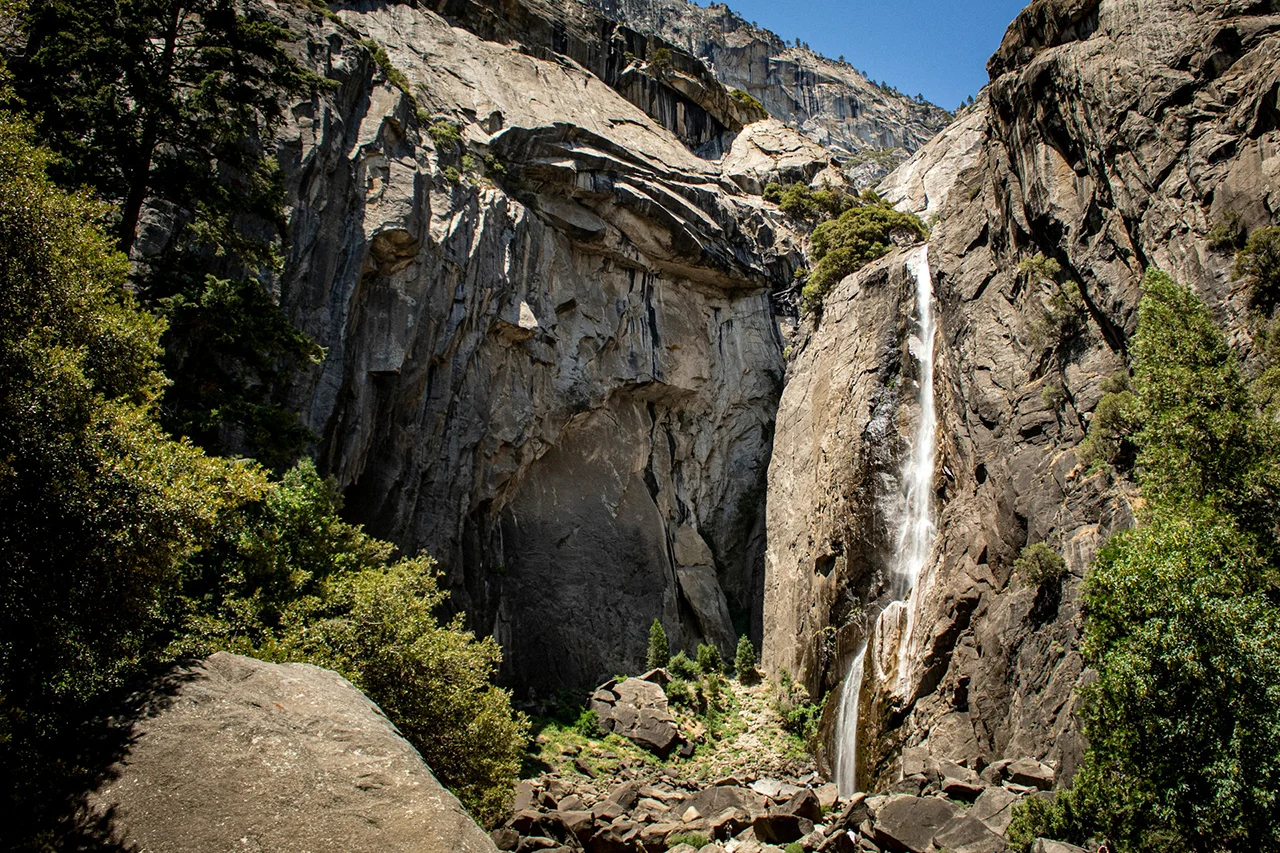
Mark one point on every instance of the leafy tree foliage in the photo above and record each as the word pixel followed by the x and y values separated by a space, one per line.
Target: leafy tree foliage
pixel 844 245
pixel 98 507
pixel 121 547
pixel 285 578
pixel 1200 439
pixel 1114 426
pixel 170 106
pixel 1039 563
pixel 376 627
pixel 680 666
pixel 1258 265
pixel 1182 623
pixel 709 660
pixel 800 201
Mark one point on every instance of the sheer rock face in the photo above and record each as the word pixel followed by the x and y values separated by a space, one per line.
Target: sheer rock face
pixel 236 753
pixel 1112 137
pixel 829 101
pixel 557 369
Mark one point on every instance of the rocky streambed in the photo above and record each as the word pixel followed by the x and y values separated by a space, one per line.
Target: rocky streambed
pixel 680 780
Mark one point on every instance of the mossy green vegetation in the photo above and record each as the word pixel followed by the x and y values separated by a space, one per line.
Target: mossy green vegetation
pixel 393 75
pixel 446 134
pixel 749 101
pixel 1182 613
pixel 733 726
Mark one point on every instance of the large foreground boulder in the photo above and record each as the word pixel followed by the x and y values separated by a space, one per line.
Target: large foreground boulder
pixel 247 755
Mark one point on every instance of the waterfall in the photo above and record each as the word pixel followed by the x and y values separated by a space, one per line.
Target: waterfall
pixel 847 726
pixel 895 621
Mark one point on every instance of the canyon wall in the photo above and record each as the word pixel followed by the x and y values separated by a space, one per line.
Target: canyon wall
pixel 554 308
pixel 1112 138
pixel 551 356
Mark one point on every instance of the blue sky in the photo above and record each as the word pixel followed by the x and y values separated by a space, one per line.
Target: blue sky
pixel 938 48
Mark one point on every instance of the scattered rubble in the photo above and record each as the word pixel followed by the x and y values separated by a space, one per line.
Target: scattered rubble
pixel 635 803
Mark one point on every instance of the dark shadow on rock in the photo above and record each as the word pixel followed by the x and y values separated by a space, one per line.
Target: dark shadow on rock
pixel 53 800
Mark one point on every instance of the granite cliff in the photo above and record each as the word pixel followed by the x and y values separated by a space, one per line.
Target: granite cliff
pixel 555 309
pixel 1113 137
pixel 545 287
pixel 828 100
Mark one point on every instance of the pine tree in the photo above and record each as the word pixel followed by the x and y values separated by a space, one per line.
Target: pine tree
pixel 744 659
pixel 659 650
pixel 171 105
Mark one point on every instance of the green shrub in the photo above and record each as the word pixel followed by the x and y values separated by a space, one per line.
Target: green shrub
pixel 1227 233
pixel 744 659
pixel 843 246
pixel 748 101
pixel 693 839
pixel 1039 563
pixel 470 163
pixel 494 166
pixel 393 74
pixel 1258 266
pixel 452 175
pixel 686 693
pixel 285 578
pixel 1053 396
pixel 588 723
pixel 660 62
pixel 445 133
pixel 659 653
pixel 1113 426
pixel 680 666
pixel 433 681
pixel 1063 319
pixel 709 660
pixel 800 201
pixel 794 847
pixel 1040 268
pixel 799 715
pixel 773 192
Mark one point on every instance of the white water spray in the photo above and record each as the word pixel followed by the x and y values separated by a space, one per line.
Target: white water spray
pixel 896 620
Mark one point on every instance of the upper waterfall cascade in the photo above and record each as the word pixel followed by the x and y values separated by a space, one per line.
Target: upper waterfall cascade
pixel 915 535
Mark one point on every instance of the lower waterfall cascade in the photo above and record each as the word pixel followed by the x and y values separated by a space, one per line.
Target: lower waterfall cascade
pixel 916 531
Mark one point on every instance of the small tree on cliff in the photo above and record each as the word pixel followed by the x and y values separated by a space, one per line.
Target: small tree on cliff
pixel 659 650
